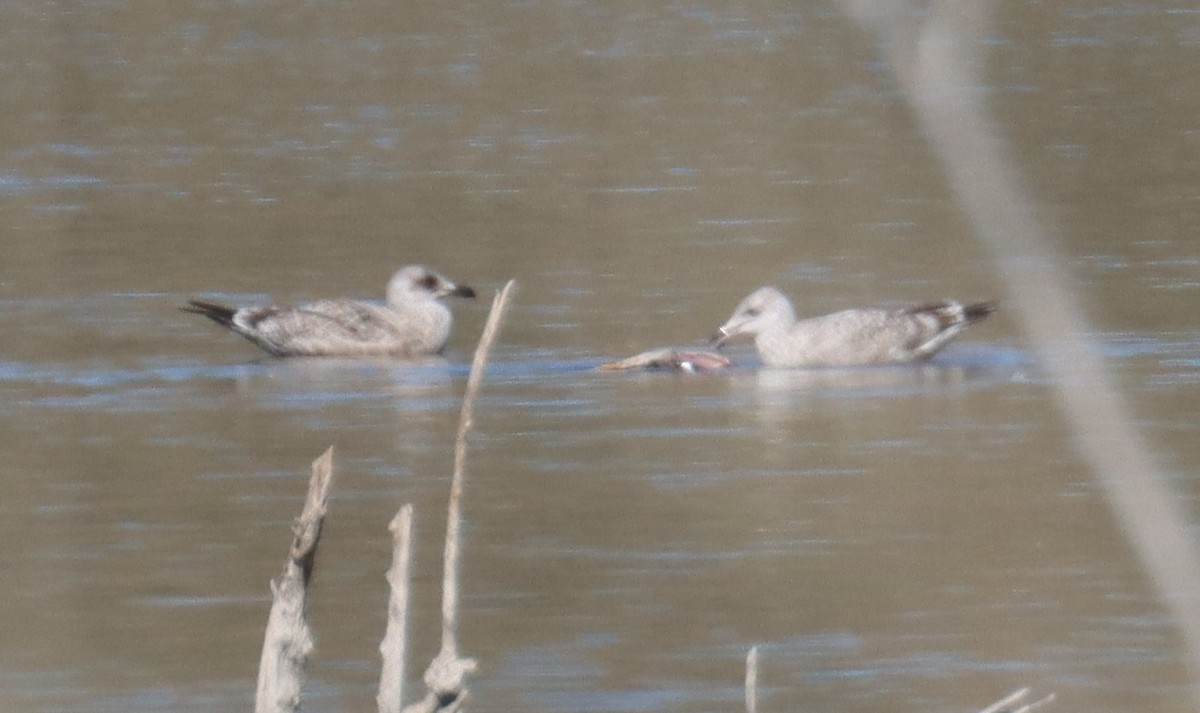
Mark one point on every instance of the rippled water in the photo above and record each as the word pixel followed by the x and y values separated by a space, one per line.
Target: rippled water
pixel 918 539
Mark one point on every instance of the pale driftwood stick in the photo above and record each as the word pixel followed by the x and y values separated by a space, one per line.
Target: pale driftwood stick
pixel 445 678
pixel 1004 704
pixel 752 680
pixel 395 639
pixel 454 516
pixel 288 639
pixel 1008 700
pixel 1045 700
pixel 1034 705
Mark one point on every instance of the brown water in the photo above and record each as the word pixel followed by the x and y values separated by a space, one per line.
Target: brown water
pixel 895 540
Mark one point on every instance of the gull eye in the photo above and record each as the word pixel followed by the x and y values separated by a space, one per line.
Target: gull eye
pixel 753 311
pixel 429 282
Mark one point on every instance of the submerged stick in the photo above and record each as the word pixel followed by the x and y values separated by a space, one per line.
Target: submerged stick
pixel 288 639
pixel 447 672
pixel 752 680
pixel 392 649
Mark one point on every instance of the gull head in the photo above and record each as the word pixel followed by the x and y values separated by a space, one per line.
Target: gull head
pixel 417 282
pixel 766 308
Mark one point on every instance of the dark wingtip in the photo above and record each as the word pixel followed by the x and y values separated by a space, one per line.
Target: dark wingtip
pixel 979 310
pixel 221 314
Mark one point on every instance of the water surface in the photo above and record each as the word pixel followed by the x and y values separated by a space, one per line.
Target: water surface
pixel 894 539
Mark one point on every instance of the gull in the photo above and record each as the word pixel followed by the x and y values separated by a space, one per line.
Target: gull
pixel 413 323
pixel 851 337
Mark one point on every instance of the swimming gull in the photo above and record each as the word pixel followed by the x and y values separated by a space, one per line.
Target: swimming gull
pixel 413 323
pixel 848 338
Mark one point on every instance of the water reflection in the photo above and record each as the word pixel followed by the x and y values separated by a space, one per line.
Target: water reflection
pixel 779 386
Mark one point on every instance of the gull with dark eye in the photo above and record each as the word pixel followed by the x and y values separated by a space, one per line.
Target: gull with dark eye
pixel 414 322
pixel 848 338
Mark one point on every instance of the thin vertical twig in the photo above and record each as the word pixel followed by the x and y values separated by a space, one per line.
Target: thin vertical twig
pixel 454 515
pixel 393 648
pixel 752 680
pixel 288 639
pixel 447 672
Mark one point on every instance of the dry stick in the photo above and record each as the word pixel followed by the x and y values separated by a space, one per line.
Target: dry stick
pixel 446 673
pixel 752 680
pixel 1027 708
pixel 390 698
pixel 1004 704
pixel 288 639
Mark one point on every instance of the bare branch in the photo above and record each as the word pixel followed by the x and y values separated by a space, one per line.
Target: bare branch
pixel 445 678
pixel 1004 705
pixel 390 698
pixel 752 680
pixel 288 639
pixel 454 515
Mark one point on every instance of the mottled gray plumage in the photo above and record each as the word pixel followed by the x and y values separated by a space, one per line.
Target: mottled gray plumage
pixel 413 323
pixel 849 338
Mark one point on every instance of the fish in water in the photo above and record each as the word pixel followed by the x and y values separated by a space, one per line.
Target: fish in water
pixel 851 337
pixel 690 361
pixel 414 322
